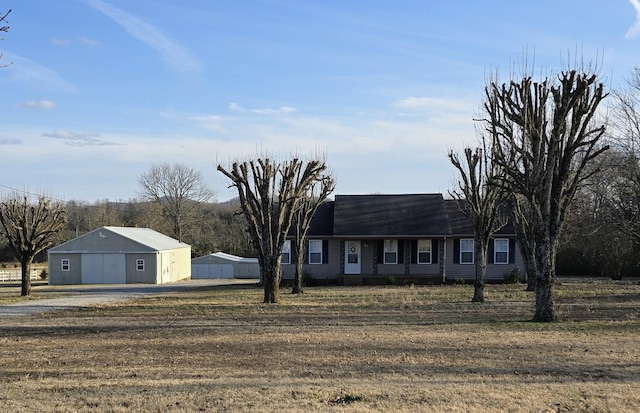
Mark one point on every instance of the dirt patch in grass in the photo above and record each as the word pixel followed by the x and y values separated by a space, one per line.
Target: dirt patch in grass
pixel 360 349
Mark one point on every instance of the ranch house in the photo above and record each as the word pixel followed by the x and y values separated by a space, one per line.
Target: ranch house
pixel 373 239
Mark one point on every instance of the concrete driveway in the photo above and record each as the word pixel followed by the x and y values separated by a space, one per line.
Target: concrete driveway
pixel 80 296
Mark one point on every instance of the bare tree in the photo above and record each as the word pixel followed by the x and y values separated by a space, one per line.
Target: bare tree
pixel 4 28
pixel 270 193
pixel 625 136
pixel 316 195
pixel 30 229
pixel 479 198
pixel 179 189
pixel 544 135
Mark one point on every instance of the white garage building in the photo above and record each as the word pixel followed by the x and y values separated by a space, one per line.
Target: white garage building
pixel 223 265
pixel 120 255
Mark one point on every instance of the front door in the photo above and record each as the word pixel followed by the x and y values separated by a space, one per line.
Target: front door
pixel 352 257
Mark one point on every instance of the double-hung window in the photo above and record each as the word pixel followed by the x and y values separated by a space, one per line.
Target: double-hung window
pixel 139 265
pixel 391 251
pixel 64 264
pixel 286 252
pixel 501 251
pixel 424 251
pixel 315 251
pixel 466 251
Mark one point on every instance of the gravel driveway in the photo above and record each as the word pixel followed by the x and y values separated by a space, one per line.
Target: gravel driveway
pixel 79 296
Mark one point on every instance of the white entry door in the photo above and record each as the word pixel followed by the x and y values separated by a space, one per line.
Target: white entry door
pixel 352 257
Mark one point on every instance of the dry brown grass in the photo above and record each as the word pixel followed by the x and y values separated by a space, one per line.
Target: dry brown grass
pixel 364 349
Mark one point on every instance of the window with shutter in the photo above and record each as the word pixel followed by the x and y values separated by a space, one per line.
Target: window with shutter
pixel 424 251
pixel 286 253
pixel 315 251
pixel 391 251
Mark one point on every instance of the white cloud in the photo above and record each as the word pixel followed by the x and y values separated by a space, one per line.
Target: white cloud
pixel 79 138
pixel 283 110
pixel 635 29
pixel 37 104
pixel 211 122
pixel 235 107
pixel 60 42
pixel 434 103
pixel 84 41
pixel 174 55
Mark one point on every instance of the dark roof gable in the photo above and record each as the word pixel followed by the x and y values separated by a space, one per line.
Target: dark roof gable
pixel 390 215
pixel 462 225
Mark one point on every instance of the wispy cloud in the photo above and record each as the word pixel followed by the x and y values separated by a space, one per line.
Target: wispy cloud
pixel 84 41
pixel 37 104
pixel 35 76
pixel 175 56
pixel 60 42
pixel 211 122
pixel 79 138
pixel 283 110
pixel 10 141
pixel 435 103
pixel 635 29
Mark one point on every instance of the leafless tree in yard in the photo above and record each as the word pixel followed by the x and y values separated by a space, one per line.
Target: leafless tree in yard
pixel 179 189
pixel 4 28
pixel 270 193
pixel 30 229
pixel 480 199
pixel 544 134
pixel 625 137
pixel 309 204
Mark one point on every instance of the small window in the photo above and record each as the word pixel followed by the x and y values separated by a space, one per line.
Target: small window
pixel 65 264
pixel 139 265
pixel 285 258
pixel 424 251
pixel 391 251
pixel 315 251
pixel 466 251
pixel 501 251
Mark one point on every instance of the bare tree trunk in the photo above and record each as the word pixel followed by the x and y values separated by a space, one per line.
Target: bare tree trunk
pixel 481 269
pixel 297 282
pixel 545 305
pixel 531 278
pixel 545 282
pixel 26 276
pixel 272 281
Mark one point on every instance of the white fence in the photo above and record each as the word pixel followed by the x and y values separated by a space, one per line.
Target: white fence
pixel 15 274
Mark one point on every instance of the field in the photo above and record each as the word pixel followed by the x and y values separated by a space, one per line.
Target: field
pixel 332 349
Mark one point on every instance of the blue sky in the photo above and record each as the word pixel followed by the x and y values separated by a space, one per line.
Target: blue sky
pixel 99 90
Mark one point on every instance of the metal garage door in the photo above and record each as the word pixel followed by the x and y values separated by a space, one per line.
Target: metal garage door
pixel 199 271
pixel 104 269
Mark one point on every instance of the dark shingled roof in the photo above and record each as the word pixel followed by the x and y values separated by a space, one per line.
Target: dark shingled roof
pixel 461 225
pixel 390 215
pixel 322 221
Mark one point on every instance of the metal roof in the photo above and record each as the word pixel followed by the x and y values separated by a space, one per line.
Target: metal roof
pixel 147 237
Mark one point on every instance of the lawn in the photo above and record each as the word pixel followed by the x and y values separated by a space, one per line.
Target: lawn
pixel 332 349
